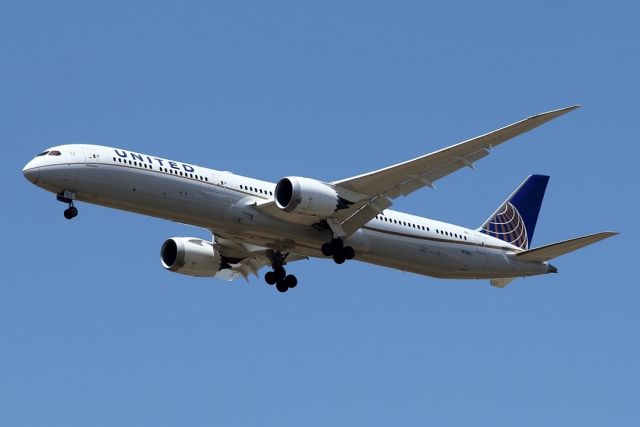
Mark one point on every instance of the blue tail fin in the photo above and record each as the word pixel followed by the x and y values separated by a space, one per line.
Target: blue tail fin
pixel 515 220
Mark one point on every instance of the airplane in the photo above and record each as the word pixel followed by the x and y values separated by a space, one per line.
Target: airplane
pixel 256 224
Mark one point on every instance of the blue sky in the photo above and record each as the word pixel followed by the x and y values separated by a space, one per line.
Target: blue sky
pixel 94 332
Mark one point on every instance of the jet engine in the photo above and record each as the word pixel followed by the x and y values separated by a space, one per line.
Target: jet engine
pixel 308 197
pixel 191 256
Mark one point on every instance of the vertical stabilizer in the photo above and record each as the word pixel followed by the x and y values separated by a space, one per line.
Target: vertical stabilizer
pixel 515 220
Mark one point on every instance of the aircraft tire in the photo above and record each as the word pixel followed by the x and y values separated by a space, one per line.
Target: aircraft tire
pixel 280 273
pixel 270 278
pixel 291 281
pixel 327 250
pixel 348 252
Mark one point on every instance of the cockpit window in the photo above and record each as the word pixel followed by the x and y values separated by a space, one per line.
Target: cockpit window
pixel 54 153
pixel 44 153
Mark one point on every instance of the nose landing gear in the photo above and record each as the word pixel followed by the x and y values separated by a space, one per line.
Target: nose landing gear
pixel 67 197
pixel 336 249
pixel 279 276
pixel 71 212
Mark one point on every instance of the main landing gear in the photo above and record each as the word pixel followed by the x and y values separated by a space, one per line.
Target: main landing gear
pixel 279 276
pixel 67 197
pixel 336 249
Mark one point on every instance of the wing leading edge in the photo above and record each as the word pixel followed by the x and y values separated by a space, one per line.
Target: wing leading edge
pixel 380 187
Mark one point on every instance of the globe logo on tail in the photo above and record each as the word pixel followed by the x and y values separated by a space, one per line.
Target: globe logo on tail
pixel 508 225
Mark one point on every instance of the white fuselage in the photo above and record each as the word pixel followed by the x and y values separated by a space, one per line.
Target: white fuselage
pixel 223 203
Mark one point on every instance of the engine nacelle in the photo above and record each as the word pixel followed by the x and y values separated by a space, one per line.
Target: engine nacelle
pixel 308 197
pixel 191 256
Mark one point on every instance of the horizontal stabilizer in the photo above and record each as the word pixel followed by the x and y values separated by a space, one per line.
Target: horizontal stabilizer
pixel 545 253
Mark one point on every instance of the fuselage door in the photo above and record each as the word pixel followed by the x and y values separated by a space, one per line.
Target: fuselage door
pixel 91 156
pixel 216 178
pixel 480 255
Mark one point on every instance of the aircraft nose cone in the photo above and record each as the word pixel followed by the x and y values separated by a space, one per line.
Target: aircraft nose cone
pixel 31 172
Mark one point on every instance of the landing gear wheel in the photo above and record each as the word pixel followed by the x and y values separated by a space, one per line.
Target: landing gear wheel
pixel 282 286
pixel 336 246
pixel 270 277
pixel 348 252
pixel 339 259
pixel 280 273
pixel 71 212
pixel 326 249
pixel 291 281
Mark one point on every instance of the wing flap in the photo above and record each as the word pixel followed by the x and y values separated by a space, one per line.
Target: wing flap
pixel 545 253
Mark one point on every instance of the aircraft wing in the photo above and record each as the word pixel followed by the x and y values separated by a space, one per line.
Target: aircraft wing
pixel 380 187
pixel 244 260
